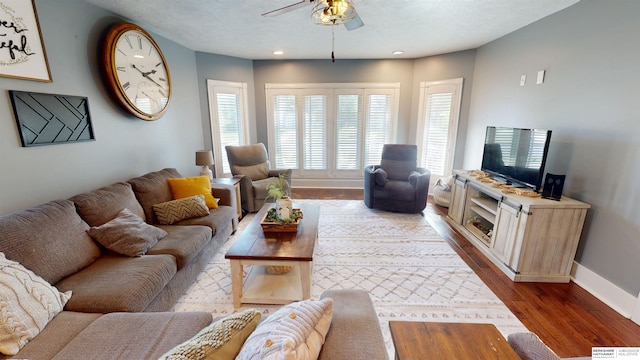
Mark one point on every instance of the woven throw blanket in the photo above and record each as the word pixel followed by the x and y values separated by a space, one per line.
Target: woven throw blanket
pixel 409 271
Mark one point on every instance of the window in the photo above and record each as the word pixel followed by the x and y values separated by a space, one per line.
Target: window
pixel 330 130
pixel 438 125
pixel 227 111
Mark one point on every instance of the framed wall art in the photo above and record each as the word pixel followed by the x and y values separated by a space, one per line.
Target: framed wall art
pixel 46 119
pixel 22 53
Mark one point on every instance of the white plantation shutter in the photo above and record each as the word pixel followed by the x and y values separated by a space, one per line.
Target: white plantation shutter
pixel 285 126
pixel 438 125
pixel 315 132
pixel 230 124
pixel 436 131
pixel 377 127
pixel 326 131
pixel 227 108
pixel 348 132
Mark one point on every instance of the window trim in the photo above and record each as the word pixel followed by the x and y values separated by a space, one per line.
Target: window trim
pixel 454 120
pixel 214 87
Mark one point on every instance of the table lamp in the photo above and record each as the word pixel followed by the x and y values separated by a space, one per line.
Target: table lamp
pixel 204 158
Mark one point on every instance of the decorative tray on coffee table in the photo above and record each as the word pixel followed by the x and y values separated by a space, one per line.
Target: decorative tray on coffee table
pixel 271 223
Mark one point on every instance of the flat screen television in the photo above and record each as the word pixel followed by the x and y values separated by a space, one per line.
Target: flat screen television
pixel 516 156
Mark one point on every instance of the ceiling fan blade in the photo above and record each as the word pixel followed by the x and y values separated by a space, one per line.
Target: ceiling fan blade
pixel 288 8
pixel 355 23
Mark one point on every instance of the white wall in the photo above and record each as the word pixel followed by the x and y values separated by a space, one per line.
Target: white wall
pixel 589 99
pixel 125 146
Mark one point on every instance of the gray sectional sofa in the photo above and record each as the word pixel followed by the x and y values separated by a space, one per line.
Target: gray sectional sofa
pixel 120 305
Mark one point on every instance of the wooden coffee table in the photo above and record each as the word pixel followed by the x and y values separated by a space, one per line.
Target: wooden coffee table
pixel 254 247
pixel 459 341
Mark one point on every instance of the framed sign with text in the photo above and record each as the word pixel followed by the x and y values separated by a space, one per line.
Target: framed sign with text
pixel 22 53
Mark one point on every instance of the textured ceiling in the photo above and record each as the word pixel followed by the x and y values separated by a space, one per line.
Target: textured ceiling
pixel 418 27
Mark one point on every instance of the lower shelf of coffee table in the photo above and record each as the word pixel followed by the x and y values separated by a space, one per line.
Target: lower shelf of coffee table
pixel 260 287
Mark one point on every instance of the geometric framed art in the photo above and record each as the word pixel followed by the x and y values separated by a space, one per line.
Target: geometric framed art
pixel 46 119
pixel 22 55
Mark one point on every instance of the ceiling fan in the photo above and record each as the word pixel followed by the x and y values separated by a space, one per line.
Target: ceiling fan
pixel 326 12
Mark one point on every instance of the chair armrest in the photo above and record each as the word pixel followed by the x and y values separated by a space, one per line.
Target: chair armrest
pixel 369 184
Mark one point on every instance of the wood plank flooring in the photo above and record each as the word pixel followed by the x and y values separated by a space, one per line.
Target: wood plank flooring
pixel 566 317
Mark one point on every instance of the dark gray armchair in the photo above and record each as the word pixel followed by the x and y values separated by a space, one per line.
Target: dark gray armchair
pixel 397 184
pixel 250 163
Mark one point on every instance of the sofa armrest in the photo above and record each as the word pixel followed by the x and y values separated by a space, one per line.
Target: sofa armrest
pixel 226 193
pixel 355 330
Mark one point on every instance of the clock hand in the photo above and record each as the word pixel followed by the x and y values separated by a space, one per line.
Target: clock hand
pixel 146 75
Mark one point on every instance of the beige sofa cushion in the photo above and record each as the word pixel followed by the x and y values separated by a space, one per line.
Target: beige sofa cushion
pixel 100 206
pixel 118 283
pixel 27 304
pixel 176 245
pixel 133 335
pixel 61 329
pixel 40 238
pixel 127 234
pixel 153 188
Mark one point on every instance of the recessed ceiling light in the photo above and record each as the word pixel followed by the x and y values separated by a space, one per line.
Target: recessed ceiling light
pixel 398 52
pixel 278 52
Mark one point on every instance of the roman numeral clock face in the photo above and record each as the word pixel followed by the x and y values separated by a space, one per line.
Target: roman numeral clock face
pixel 136 71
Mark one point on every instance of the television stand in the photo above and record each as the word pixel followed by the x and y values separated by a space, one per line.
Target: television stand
pixel 529 239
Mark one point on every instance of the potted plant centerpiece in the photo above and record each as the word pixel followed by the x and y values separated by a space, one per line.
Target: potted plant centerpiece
pixel 284 205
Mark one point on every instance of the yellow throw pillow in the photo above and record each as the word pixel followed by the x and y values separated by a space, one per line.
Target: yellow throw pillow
pixel 190 186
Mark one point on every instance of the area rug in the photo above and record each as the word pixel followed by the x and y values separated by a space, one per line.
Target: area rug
pixel 409 271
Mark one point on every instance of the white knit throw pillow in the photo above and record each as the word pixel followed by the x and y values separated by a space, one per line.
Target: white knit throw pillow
pixel 295 331
pixel 27 304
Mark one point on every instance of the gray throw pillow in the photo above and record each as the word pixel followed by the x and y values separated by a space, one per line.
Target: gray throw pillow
pixel 127 234
pixel 381 176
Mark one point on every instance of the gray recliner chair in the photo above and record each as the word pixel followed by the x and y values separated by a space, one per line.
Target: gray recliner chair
pixel 397 184
pixel 250 163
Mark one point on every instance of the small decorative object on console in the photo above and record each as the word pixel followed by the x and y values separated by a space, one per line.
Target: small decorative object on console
pixel 552 186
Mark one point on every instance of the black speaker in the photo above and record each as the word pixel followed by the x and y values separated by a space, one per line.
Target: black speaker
pixel 552 186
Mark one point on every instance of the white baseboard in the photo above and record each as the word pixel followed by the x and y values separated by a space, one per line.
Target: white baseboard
pixel 619 300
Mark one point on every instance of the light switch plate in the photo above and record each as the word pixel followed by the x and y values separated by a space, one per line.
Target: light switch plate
pixel 523 79
pixel 540 78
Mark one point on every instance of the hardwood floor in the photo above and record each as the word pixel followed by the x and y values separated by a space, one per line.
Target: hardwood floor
pixel 566 317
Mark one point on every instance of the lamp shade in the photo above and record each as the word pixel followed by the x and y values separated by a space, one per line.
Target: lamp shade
pixel 204 157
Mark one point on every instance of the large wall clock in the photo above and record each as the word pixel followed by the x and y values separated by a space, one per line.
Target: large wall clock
pixel 136 71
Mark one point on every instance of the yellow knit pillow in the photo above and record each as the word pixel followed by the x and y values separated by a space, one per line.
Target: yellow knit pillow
pixel 190 186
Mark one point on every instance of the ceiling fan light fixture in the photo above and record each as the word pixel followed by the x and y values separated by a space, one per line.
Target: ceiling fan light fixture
pixel 332 12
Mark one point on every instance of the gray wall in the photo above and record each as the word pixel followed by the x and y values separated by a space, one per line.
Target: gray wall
pixel 124 146
pixel 443 67
pixel 589 100
pixel 409 73
pixel 225 68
